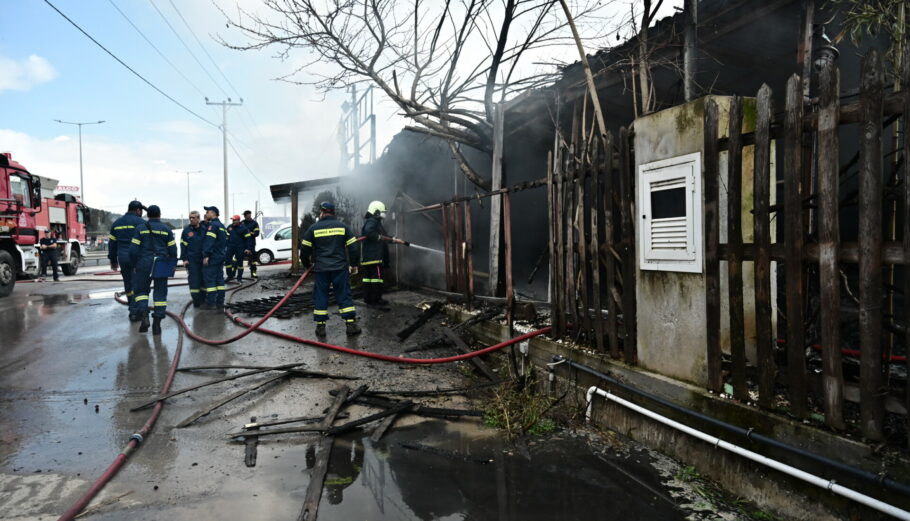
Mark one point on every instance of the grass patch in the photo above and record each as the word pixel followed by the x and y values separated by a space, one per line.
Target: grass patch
pixel 519 410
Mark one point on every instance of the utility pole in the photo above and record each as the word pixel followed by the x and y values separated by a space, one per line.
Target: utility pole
pixel 79 124
pixel 188 172
pixel 224 106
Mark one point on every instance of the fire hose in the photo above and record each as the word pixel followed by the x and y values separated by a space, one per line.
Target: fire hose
pixel 137 438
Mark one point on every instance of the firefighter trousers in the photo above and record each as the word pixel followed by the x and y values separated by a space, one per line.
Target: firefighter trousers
pixel 142 286
pixel 49 258
pixel 213 278
pixel 233 264
pixel 194 277
pixel 127 271
pixel 372 283
pixel 338 280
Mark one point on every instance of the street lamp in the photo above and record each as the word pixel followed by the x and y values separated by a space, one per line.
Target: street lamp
pixel 188 172
pixel 79 124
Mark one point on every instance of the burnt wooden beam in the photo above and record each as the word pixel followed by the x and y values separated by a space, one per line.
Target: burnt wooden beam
pixel 317 477
pixel 712 254
pixel 870 243
pixel 251 443
pixel 627 247
pixel 793 243
pixel 761 227
pixel 421 319
pixel 735 251
pixel 906 212
pixel 829 238
pixel 463 348
pixel 230 398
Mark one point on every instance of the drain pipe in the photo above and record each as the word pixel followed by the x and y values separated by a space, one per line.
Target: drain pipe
pixel 749 434
pixel 829 485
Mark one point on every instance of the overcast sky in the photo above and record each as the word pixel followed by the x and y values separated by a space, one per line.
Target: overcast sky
pixel 49 70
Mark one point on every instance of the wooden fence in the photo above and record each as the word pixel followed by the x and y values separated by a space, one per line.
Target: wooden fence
pixel 592 268
pixel 814 259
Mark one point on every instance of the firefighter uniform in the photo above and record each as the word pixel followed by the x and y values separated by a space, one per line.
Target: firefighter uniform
pixel 151 243
pixel 121 235
pixel 374 254
pixel 191 251
pixel 239 241
pixel 327 241
pixel 214 244
pixel 253 227
pixel 50 254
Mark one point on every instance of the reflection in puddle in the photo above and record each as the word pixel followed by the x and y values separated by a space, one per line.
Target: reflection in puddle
pixel 462 476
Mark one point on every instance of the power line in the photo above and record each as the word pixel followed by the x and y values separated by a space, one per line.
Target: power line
pixel 187 47
pixel 141 77
pixel 250 170
pixel 165 58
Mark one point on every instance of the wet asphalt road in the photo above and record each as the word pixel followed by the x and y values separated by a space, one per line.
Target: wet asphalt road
pixel 71 367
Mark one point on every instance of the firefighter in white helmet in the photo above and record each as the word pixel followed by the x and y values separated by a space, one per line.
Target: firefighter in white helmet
pixel 374 257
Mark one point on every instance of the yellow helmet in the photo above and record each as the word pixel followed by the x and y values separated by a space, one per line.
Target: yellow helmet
pixel 376 208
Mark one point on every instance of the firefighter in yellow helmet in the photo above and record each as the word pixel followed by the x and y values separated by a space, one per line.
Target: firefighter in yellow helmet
pixel 374 256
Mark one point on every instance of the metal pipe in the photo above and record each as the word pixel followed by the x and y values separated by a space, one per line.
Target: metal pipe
pixel 828 484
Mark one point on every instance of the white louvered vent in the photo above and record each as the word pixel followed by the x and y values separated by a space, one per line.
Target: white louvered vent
pixel 669 198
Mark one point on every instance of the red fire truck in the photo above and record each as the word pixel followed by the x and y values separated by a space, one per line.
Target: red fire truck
pixel 25 215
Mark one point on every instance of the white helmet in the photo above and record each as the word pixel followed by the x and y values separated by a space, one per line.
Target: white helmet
pixel 376 208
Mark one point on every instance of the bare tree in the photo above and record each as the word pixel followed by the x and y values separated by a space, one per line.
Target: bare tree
pixel 444 64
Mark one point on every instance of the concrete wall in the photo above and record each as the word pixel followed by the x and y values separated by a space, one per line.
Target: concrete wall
pixel 672 330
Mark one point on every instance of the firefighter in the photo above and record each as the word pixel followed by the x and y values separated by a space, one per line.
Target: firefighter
pixel 50 254
pixel 375 254
pixel 191 255
pixel 253 227
pixel 214 244
pixel 327 241
pixel 151 243
pixel 239 243
pixel 119 250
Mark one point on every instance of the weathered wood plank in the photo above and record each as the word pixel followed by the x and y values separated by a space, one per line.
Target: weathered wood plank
pixel 580 225
pixel 761 226
pixel 496 201
pixel 447 247
pixel 507 243
pixel 870 243
pixel 712 241
pixel 570 287
pixel 828 239
pixel 629 268
pixel 463 348
pixel 469 254
pixel 735 251
pixel 606 197
pixel 551 228
pixel 310 508
pixel 905 81
pixel 596 208
pixel 793 241
pixel 560 272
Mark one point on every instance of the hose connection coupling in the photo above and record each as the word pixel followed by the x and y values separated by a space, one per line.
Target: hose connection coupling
pixel 524 348
pixel 137 437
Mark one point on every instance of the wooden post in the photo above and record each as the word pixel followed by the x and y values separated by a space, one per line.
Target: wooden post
pixel 496 201
pixel 870 243
pixel 447 247
pixel 551 222
pixel 828 243
pixel 712 248
pixel 580 223
pixel 469 253
pixel 458 221
pixel 560 258
pixel 571 301
pixel 793 246
pixel 507 243
pixel 906 86
pixel 295 235
pixel 761 190
pixel 735 250
pixel 804 57
pixel 597 159
pixel 629 267
pixel 606 196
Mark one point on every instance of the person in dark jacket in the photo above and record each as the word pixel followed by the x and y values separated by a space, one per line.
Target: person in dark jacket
pixel 335 255
pixel 50 254
pixel 214 245
pixel 374 254
pixel 150 244
pixel 191 255
pixel 253 228
pixel 119 250
pixel 239 244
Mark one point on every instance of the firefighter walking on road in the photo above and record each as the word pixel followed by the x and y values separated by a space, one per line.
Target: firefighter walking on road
pixel 239 244
pixel 253 228
pixel 151 244
pixel 191 255
pixel 119 250
pixel 214 244
pixel 375 254
pixel 335 255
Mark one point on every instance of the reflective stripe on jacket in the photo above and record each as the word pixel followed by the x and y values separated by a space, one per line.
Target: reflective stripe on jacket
pixel 374 249
pixel 214 242
pixel 154 239
pixel 191 242
pixel 122 232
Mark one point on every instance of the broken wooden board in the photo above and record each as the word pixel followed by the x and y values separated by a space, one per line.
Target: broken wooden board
pixel 463 348
pixel 424 317
pixel 317 478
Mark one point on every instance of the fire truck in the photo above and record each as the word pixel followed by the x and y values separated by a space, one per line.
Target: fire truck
pixel 27 211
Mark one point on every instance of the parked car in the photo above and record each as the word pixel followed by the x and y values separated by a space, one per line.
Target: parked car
pixel 276 246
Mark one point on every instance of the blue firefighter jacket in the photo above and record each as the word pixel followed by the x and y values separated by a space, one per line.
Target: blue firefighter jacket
pixel 326 241
pixel 253 227
pixel 240 238
pixel 191 242
pixel 122 232
pixel 154 239
pixel 374 249
pixel 214 243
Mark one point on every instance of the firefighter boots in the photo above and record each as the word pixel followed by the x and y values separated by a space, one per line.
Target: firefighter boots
pixel 353 328
pixel 320 329
pixel 143 323
pixel 156 326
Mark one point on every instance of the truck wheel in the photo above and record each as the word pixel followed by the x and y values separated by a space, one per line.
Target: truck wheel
pixel 7 273
pixel 73 266
pixel 264 257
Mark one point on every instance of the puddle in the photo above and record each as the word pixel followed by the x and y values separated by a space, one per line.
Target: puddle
pixel 428 472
